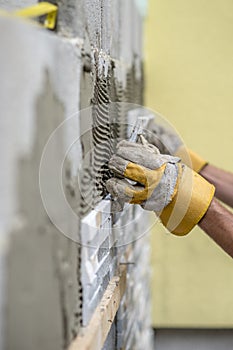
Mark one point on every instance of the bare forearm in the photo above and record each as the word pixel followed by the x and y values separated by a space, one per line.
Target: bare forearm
pixel 223 182
pixel 218 224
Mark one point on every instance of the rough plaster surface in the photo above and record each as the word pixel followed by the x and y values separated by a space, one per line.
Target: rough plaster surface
pixel 44 90
pixel 14 4
pixel 50 285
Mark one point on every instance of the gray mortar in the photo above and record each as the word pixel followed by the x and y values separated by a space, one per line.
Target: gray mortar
pixel 42 262
pixel 50 83
pixel 70 18
pixel 32 268
pixel 87 183
pixel 42 272
pixel 11 5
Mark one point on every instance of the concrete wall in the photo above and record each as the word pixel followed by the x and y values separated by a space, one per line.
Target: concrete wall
pixel 60 244
pixel 14 4
pixel 41 87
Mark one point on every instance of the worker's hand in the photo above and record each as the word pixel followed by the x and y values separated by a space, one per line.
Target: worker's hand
pixel 155 174
pixel 162 184
pixel 169 142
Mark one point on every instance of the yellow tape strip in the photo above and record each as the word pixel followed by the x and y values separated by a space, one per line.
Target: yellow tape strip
pixel 41 9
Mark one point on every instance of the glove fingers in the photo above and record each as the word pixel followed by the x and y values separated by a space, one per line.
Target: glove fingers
pixel 134 147
pixel 138 153
pixel 118 165
pixel 145 155
pixel 122 189
pixel 117 188
pixel 129 170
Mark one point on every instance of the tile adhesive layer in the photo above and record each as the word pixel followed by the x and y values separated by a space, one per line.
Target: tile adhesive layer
pixel 51 285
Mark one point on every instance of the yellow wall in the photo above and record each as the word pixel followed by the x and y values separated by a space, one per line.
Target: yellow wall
pixel 189 79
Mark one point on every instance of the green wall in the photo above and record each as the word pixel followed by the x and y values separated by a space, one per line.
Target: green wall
pixel 189 80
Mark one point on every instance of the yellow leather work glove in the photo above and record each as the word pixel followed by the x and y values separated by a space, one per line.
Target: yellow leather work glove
pixel 162 184
pixel 170 143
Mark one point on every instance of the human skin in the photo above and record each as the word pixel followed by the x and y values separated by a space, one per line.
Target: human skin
pixel 223 182
pixel 218 221
pixel 218 224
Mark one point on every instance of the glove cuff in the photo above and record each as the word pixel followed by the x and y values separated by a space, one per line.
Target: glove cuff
pixel 187 156
pixel 193 197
